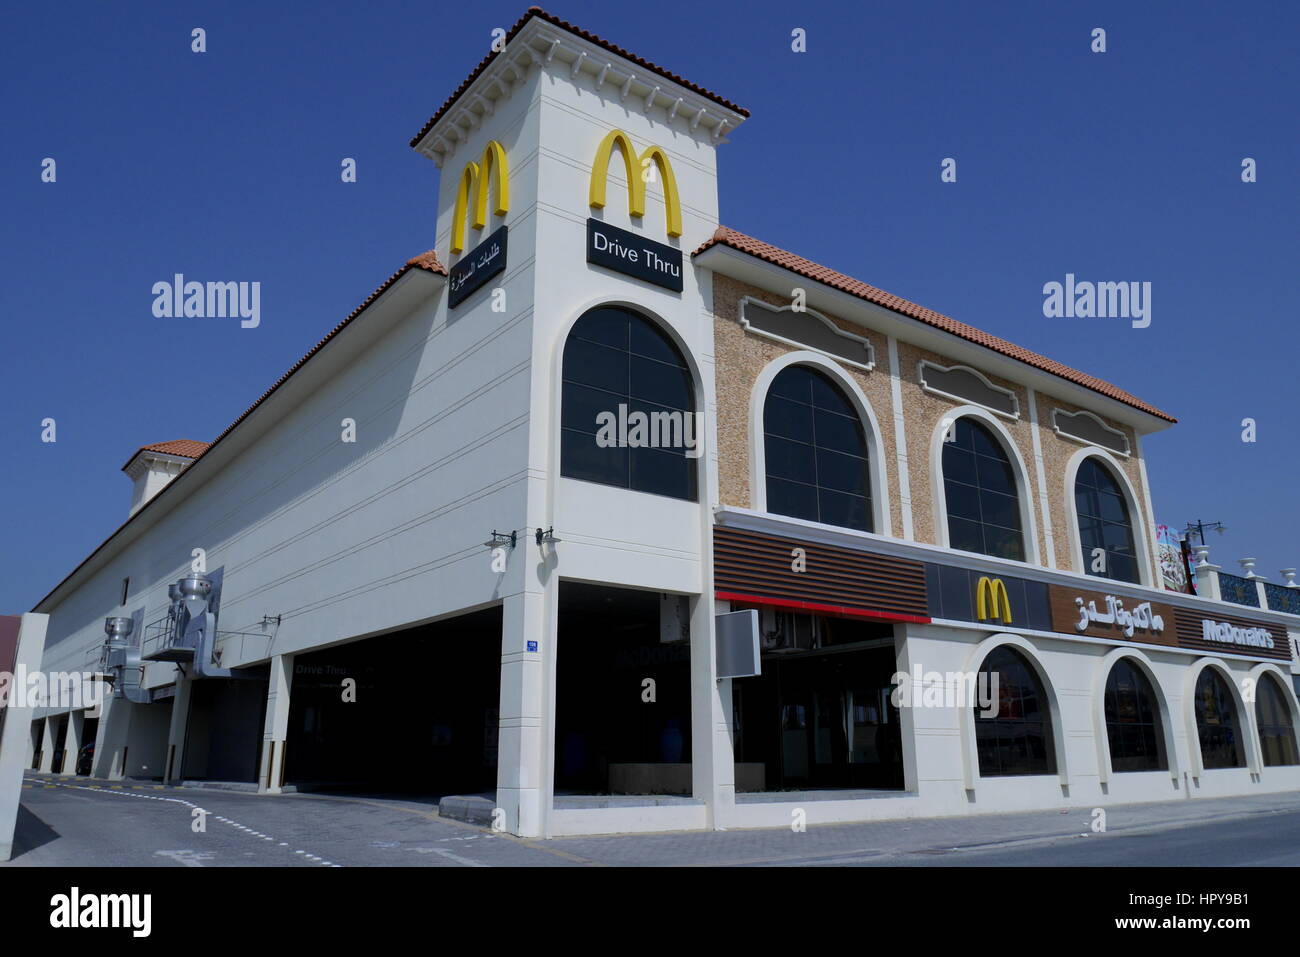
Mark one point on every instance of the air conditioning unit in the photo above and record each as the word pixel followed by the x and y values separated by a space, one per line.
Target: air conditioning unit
pixel 786 631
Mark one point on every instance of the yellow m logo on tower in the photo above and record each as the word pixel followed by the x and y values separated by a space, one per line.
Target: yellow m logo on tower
pixel 633 165
pixel 475 179
pixel 991 598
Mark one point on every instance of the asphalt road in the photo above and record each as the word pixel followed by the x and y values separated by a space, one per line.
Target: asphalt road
pixel 86 823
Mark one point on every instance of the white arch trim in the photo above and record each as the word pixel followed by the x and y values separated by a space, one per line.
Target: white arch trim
pixel 1024 491
pixel 1258 675
pixel 880 511
pixel 1245 716
pixel 1100 676
pixel 969 750
pixel 1142 544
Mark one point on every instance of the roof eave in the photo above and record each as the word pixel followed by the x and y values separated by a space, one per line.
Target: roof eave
pixel 533 40
pixel 746 267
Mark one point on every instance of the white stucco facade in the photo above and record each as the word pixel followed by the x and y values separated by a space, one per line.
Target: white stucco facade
pixel 325 542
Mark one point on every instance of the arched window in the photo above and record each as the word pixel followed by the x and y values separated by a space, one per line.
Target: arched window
pixel 1137 740
pixel 1018 739
pixel 815 448
pixel 979 486
pixel 1104 523
pixel 628 406
pixel 1216 723
pixel 1276 732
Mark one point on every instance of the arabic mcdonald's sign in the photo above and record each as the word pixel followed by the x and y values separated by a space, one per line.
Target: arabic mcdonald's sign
pixel 1077 611
pixel 991 600
pixel 636 183
pixel 475 179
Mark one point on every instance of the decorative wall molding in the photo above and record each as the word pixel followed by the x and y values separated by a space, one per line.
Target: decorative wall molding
pixel 794 328
pixel 964 384
pixel 1088 428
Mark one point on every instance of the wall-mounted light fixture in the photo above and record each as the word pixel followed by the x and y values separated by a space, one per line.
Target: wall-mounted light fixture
pixel 501 539
pixel 547 536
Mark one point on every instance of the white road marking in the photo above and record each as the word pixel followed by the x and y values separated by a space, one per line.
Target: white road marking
pixel 464 861
pixel 188 858
pixel 116 790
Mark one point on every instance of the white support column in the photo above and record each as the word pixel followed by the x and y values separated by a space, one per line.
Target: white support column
pixel 174 757
pixel 110 742
pixel 276 730
pixel 523 785
pixel 1040 477
pixel 51 744
pixel 900 440
pixel 15 726
pixel 904 651
pixel 72 743
pixel 713 760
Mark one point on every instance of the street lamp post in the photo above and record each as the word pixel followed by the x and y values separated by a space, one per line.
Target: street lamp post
pixel 1198 529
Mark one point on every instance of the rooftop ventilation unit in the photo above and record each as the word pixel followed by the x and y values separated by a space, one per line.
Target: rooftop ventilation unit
pixel 120 660
pixel 189 631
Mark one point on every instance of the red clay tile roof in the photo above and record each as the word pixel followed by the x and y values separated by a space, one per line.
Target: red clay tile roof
pixel 185 448
pixel 724 236
pixel 541 14
pixel 427 261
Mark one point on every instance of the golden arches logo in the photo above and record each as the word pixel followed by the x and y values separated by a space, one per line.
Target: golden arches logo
pixel 632 165
pixel 990 598
pixel 475 179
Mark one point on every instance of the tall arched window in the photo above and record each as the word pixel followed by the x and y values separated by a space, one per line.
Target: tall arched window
pixel 1104 523
pixel 1216 723
pixel 1137 740
pixel 980 491
pixel 1276 732
pixel 815 448
pixel 628 406
pixel 1018 739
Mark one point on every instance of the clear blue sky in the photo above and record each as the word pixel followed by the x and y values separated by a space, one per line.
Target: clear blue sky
pixel 1116 166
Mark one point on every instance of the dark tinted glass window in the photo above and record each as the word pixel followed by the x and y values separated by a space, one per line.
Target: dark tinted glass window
pixel 816 451
pixel 1276 732
pixel 1104 522
pixel 1018 740
pixel 980 490
pixel 628 406
pixel 1216 723
pixel 1137 741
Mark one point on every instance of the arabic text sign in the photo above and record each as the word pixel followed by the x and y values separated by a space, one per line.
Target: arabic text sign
pixel 1099 615
pixel 476 267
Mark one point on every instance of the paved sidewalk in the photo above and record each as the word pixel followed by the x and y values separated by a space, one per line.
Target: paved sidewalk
pixel 84 822
pixel 960 838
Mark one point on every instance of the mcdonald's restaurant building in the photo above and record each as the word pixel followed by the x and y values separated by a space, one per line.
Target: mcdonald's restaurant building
pixel 603 517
